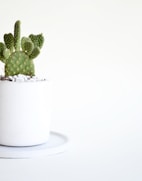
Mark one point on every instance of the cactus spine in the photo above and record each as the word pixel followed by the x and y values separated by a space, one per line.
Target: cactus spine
pixel 18 53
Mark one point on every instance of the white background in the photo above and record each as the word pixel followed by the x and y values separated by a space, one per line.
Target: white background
pixel 93 55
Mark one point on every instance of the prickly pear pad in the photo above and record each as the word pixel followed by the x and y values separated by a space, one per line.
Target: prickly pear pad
pixel 19 63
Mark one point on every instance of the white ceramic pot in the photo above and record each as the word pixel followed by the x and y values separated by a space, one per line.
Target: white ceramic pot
pixel 24 113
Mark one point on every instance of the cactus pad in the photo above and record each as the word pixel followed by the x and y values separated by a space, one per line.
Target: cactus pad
pixel 19 63
pixel 18 54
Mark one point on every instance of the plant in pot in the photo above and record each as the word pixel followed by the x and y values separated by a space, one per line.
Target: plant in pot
pixel 24 99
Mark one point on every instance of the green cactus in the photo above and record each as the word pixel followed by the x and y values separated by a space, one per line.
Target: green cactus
pixel 18 53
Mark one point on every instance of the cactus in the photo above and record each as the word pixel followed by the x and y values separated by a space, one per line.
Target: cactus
pixel 18 53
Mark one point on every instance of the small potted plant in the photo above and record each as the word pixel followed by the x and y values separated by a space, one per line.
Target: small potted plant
pixel 24 98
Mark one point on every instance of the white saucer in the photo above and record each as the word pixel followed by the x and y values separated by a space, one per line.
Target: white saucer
pixel 57 143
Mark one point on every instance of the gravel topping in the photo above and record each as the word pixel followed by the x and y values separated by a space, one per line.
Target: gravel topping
pixel 21 78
